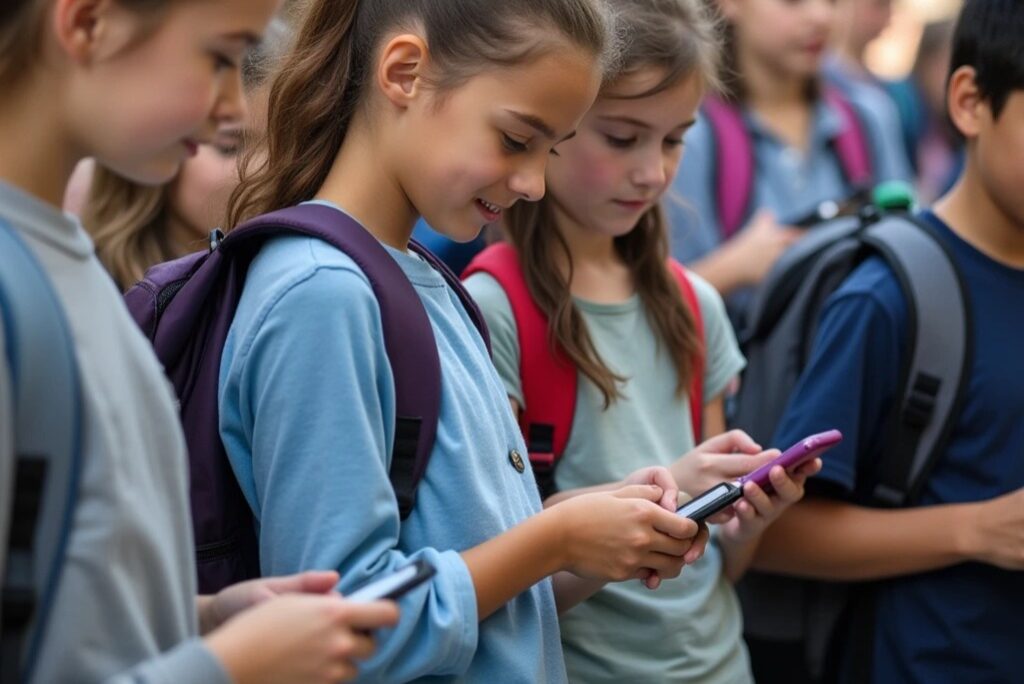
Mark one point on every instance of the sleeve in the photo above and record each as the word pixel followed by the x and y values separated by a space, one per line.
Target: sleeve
pixel 885 134
pixel 501 324
pixel 723 360
pixel 690 202
pixel 850 382
pixel 313 390
pixel 190 661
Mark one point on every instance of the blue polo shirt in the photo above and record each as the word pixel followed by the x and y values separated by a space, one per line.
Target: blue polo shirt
pixel 961 623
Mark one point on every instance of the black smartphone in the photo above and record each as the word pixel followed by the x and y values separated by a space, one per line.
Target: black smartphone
pixel 395 584
pixel 705 505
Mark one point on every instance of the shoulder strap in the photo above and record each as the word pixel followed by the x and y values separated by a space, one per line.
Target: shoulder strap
pixel 549 378
pixel 734 163
pixel 47 435
pixel 455 284
pixel 697 384
pixel 936 370
pixel 408 336
pixel 851 145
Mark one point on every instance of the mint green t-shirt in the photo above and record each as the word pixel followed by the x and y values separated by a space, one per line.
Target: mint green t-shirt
pixel 689 630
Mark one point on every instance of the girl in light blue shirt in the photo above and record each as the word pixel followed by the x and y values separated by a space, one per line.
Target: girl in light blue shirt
pixel 388 111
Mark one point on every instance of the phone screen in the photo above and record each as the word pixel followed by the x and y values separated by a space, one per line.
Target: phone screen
pixel 710 502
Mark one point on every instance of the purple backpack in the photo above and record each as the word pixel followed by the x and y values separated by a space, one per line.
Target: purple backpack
pixel 185 308
pixel 735 165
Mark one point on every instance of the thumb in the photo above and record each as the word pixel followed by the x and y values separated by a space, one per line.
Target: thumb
pixel 646 492
pixel 311 582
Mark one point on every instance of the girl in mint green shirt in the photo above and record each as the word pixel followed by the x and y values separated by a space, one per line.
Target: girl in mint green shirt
pixel 600 254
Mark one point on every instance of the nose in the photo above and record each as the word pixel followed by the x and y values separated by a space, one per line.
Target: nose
pixel 651 170
pixel 230 105
pixel 528 180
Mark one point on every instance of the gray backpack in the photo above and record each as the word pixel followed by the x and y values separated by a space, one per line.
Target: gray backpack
pixel 777 341
pixel 39 485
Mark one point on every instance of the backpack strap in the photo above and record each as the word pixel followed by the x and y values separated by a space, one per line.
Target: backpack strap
pixel 47 457
pixel 735 162
pixel 851 145
pixel 935 375
pixel 455 284
pixel 697 383
pixel 408 336
pixel 548 376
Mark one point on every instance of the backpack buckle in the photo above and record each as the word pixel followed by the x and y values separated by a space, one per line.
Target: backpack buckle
pixel 216 237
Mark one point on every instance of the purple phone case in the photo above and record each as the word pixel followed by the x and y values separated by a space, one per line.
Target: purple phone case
pixel 795 456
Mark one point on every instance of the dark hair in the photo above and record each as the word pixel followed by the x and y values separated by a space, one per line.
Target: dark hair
pixel 989 37
pixel 678 38
pixel 21 22
pixel 322 82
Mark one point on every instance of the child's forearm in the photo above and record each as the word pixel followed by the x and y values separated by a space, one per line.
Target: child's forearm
pixel 825 539
pixel 509 564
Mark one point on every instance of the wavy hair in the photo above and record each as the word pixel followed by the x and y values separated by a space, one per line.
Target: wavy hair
pixel 677 37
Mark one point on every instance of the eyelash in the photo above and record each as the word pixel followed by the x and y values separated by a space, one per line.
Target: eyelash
pixel 222 62
pixel 625 143
pixel 511 144
pixel 621 143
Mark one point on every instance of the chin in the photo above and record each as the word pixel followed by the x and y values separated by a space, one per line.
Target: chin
pixel 150 174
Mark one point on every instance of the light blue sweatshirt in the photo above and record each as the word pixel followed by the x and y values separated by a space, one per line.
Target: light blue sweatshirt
pixel 307 407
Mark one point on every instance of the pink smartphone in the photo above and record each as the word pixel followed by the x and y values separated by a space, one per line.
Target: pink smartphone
pixel 794 457
pixel 725 494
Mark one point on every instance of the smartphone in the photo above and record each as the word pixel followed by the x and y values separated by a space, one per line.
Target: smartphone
pixel 724 494
pixel 394 584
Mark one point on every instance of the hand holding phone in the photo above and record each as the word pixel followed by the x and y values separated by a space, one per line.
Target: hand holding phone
pixel 395 584
pixel 724 494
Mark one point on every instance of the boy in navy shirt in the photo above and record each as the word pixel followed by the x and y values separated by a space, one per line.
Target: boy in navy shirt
pixel 950 594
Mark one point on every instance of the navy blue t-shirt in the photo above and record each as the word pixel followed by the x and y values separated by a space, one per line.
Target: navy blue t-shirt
pixel 961 623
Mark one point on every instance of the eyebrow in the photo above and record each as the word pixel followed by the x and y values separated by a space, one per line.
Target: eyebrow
pixel 538 124
pixel 644 124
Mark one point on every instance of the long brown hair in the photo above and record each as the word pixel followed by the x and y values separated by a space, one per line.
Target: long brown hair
pixel 323 82
pixel 677 37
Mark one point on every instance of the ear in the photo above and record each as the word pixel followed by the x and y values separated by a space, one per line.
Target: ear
pixel 75 23
pixel 966 106
pixel 87 30
pixel 400 69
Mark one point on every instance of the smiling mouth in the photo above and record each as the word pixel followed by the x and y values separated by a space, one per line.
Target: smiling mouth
pixel 491 212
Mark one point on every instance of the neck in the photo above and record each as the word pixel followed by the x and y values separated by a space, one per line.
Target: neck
pixel 36 154
pixel 974 215
pixel 182 238
pixel 598 272
pixel 360 183
pixel 768 87
pixel 588 248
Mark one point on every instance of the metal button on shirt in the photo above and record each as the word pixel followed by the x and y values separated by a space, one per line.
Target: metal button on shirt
pixel 517 461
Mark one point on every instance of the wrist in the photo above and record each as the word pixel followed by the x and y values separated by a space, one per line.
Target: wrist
pixel 555 537
pixel 240 663
pixel 965 521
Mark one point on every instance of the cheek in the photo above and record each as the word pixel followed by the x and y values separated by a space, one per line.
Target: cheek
pixel 203 189
pixel 591 170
